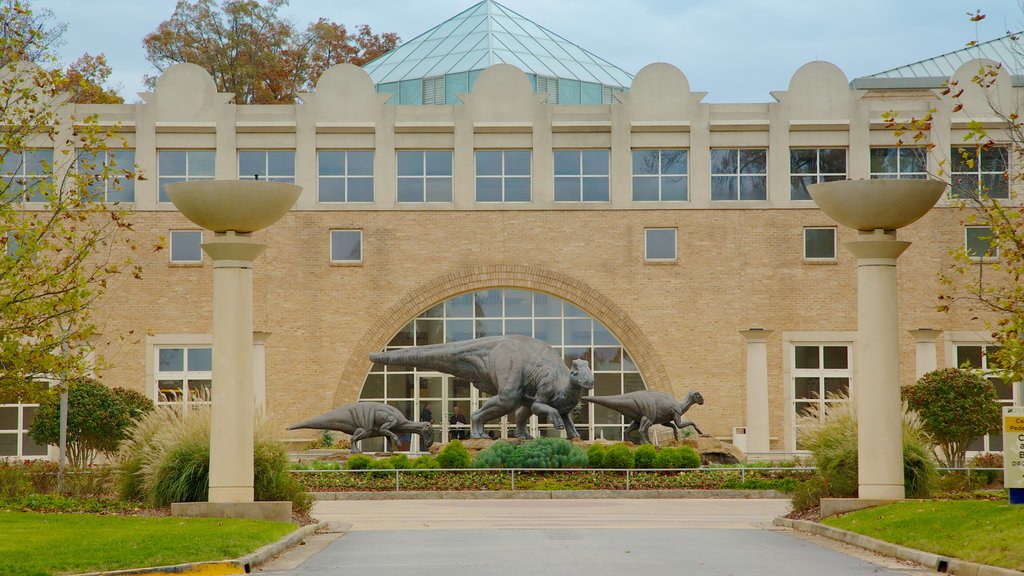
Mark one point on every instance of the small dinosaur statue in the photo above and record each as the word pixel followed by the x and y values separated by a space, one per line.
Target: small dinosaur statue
pixel 369 420
pixel 524 375
pixel 650 407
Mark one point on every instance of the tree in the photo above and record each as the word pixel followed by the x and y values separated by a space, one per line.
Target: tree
pixel 58 239
pixel 98 419
pixel 956 406
pixel 250 50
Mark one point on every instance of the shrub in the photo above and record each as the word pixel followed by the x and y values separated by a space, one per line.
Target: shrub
pixel 359 462
pixel 618 456
pixel 501 454
pixel 98 419
pixel 808 494
pixel 399 462
pixel 551 453
pixel 643 456
pixel 955 406
pixel 677 457
pixel 426 461
pixel 454 455
pixel 989 460
pixel 326 440
pixel 595 455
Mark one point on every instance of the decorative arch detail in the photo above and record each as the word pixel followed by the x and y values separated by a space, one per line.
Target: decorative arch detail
pixel 570 289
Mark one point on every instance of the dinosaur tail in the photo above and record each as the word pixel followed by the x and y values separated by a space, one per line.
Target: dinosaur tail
pixel 317 423
pixel 608 401
pixel 432 357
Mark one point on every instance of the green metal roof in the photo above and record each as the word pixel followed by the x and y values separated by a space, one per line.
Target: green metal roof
pixel 488 33
pixel 934 72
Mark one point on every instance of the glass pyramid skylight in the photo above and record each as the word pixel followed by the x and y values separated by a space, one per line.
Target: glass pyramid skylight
pixel 444 61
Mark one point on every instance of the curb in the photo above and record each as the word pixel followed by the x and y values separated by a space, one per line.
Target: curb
pixel 553 495
pixel 933 561
pixel 242 565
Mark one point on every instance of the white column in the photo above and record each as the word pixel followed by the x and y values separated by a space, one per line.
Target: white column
pixel 877 390
pixel 758 435
pixel 259 369
pixel 233 409
pixel 926 359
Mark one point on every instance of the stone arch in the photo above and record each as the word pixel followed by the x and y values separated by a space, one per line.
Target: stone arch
pixel 572 290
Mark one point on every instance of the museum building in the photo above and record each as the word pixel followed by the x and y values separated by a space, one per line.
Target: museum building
pixel 490 177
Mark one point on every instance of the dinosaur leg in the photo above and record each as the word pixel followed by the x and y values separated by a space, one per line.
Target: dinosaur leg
pixel 645 426
pixel 570 428
pixel 686 423
pixel 554 418
pixel 495 407
pixel 675 428
pixel 522 418
pixel 633 427
pixel 357 435
pixel 507 377
pixel 385 430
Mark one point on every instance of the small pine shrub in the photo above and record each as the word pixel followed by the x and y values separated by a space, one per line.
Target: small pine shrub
pixel 326 440
pixel 618 456
pixel 399 462
pixel 359 462
pixel 454 455
pixel 551 453
pixel 498 455
pixel 323 465
pixel 595 455
pixel 643 456
pixel 426 461
pixel 677 457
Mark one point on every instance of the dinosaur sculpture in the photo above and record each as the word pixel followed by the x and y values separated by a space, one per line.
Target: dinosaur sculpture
pixel 522 374
pixel 650 407
pixel 369 420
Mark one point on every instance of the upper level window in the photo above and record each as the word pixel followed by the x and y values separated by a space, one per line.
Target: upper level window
pixel 110 174
pixel 345 176
pixel 186 246
pixel 978 242
pixel 820 243
pixel 907 163
pixel 273 165
pixel 346 246
pixel 503 175
pixel 660 175
pixel 581 175
pixel 26 174
pixel 184 166
pixel 813 165
pixel 979 171
pixel 184 374
pixel 739 174
pixel 660 244
pixel 424 175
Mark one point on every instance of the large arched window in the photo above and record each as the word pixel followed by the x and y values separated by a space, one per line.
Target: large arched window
pixel 422 395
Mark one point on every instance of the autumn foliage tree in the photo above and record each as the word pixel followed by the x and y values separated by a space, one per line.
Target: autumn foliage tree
pixel 252 51
pixel 61 244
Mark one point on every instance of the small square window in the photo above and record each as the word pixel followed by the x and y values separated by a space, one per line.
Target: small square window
pixel 978 242
pixel 819 243
pixel 186 246
pixel 660 244
pixel 346 246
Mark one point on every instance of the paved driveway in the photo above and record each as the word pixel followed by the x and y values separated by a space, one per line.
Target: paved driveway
pixel 568 537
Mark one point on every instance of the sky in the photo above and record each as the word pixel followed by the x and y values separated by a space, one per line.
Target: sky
pixel 736 50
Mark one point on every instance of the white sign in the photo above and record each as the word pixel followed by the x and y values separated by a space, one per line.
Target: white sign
pixel 1013 446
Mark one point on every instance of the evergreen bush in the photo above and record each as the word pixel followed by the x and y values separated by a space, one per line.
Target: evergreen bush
pixel 643 456
pixel 551 453
pixel 359 462
pixel 618 456
pixel 426 461
pixel 501 454
pixel 595 455
pixel 454 455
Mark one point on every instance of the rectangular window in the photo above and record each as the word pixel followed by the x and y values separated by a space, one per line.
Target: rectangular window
pixel 186 246
pixel 660 244
pixel 184 374
pixel 434 90
pixel 110 174
pixel 344 176
pixel 906 163
pixel 660 175
pixel 739 174
pixel 581 176
pixel 503 175
pixel 979 170
pixel 272 165
pixel 346 246
pixel 978 243
pixel 814 165
pixel 976 356
pixel 184 166
pixel 424 175
pixel 822 376
pixel 28 174
pixel 820 243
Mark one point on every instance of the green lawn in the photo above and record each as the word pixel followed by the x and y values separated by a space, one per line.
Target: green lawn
pixel 986 532
pixel 36 543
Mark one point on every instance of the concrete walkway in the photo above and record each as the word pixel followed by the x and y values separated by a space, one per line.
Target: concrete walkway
pixel 571 537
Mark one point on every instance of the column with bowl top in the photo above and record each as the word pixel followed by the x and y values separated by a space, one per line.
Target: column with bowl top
pixel 233 210
pixel 876 209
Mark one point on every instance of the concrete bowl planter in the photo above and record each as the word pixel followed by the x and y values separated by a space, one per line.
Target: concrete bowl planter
pixel 876 204
pixel 233 205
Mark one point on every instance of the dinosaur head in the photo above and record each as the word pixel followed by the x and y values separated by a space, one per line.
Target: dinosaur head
pixel 696 398
pixel 580 374
pixel 426 436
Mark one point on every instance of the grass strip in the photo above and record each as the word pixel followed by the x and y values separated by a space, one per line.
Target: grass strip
pixel 985 532
pixel 45 544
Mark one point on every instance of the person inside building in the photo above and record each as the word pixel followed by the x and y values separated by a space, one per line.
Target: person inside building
pixel 457 421
pixel 426 415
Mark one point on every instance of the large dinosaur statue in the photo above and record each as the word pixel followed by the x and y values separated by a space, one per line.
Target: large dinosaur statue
pixel 650 407
pixel 522 374
pixel 369 420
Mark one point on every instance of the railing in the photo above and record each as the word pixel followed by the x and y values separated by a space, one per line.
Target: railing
pixel 630 473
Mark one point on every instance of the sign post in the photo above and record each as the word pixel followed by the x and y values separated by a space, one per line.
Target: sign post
pixel 1013 452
